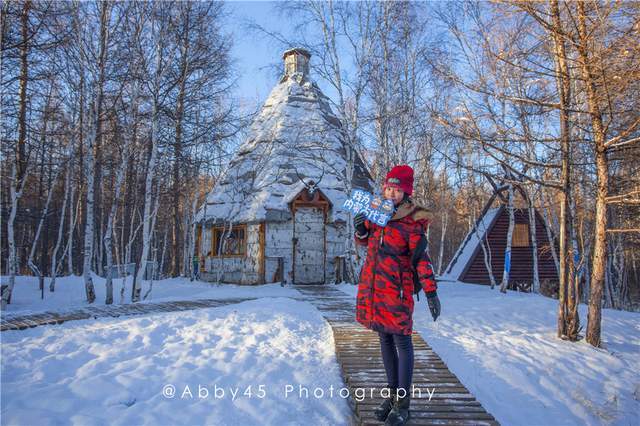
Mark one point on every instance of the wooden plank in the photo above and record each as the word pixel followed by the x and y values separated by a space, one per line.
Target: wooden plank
pixel 439 404
pixel 436 422
pixel 21 322
pixel 417 378
pixel 358 354
pixel 10 325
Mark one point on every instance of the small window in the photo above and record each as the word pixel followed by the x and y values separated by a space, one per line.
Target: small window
pixel 520 237
pixel 233 242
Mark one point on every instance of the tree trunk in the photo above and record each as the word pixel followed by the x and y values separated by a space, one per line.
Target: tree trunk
pixel 507 253
pixel 110 220
pixel 88 231
pixel 54 261
pixel 599 251
pixel 148 187
pixel 43 215
pixel 534 247
pixel 74 214
pixel 164 250
pixel 39 270
pixel 486 252
pixel 154 216
pixel 548 228
pixel 568 321
pixel 16 193
pixel 95 129
pixel 122 169
pixel 445 221
pixel 599 262
pixel 19 168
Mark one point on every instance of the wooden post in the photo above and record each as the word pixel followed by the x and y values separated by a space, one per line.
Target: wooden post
pixel 262 259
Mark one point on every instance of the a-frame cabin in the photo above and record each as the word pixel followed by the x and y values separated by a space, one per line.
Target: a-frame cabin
pixel 468 264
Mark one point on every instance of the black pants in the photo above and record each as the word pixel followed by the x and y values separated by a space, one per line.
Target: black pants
pixel 397 355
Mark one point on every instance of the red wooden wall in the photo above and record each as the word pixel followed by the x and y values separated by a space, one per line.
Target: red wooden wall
pixel 521 257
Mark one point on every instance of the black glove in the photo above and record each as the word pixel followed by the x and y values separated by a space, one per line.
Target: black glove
pixel 434 304
pixel 358 222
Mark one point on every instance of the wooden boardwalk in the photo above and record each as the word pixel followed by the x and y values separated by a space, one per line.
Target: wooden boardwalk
pixel 443 400
pixel 20 322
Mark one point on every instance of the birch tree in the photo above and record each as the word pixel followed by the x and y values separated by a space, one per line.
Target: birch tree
pixel 55 267
pixel 25 32
pixel 161 56
pixel 95 129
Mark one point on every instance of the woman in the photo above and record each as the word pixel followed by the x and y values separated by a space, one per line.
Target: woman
pixel 385 292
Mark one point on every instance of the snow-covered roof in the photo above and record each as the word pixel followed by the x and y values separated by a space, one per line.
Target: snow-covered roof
pixel 469 244
pixel 295 136
pixel 300 50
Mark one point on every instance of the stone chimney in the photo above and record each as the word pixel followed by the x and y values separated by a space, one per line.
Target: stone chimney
pixel 296 61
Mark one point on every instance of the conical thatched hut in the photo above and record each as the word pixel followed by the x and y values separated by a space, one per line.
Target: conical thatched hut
pixel 276 214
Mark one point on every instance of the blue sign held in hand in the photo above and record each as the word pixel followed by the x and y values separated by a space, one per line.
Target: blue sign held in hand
pixel 375 208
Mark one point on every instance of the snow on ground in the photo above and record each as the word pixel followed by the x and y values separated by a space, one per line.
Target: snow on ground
pixel 114 371
pixel 504 349
pixel 70 292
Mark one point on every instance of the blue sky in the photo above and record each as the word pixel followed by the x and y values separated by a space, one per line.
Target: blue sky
pixel 253 53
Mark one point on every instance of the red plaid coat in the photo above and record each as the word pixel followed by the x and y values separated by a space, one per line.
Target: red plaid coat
pixel 385 290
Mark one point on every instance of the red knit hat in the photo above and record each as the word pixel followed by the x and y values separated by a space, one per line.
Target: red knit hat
pixel 400 177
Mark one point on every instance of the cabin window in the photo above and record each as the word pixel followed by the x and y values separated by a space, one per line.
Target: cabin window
pixel 234 242
pixel 520 236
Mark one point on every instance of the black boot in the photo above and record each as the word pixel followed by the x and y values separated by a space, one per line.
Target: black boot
pixel 399 414
pixel 382 411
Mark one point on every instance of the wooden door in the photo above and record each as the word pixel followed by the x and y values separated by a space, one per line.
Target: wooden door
pixel 308 246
